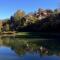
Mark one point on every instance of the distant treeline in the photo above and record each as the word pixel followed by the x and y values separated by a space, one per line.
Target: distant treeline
pixel 38 21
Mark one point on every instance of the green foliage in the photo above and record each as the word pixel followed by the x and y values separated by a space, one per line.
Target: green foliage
pixel 7 27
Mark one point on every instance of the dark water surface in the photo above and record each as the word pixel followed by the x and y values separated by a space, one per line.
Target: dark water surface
pixel 24 49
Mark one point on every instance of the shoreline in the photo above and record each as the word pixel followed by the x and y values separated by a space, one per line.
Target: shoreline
pixel 30 35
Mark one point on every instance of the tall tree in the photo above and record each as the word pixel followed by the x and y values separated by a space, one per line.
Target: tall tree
pixel 19 14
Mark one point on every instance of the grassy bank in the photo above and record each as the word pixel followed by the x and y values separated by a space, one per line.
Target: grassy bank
pixel 32 34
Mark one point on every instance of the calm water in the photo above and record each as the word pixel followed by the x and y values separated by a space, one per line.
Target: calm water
pixel 23 49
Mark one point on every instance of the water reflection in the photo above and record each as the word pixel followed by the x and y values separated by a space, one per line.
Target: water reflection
pixel 23 45
pixel 18 45
pixel 26 49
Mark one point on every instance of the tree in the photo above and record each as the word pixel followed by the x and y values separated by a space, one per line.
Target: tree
pixel 49 11
pixel 7 27
pixel 18 15
pixel 31 19
pixel 56 11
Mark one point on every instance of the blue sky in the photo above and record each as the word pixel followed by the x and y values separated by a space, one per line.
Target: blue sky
pixel 9 7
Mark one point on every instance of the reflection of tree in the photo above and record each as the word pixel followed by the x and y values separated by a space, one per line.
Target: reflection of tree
pixel 22 46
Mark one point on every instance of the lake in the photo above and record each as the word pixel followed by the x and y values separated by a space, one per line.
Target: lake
pixel 12 48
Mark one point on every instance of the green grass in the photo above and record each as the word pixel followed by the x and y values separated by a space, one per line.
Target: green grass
pixel 22 33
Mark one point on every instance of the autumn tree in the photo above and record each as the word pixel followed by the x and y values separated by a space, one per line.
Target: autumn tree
pixel 19 14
